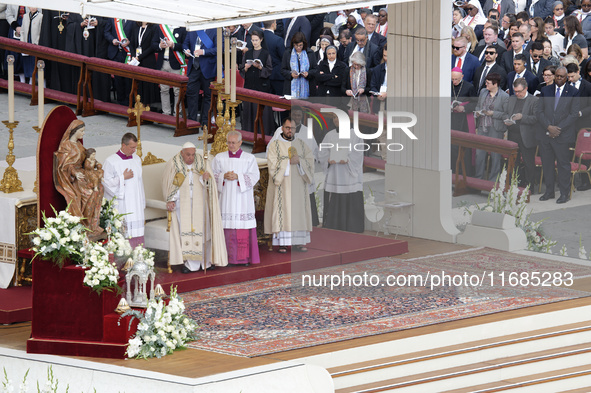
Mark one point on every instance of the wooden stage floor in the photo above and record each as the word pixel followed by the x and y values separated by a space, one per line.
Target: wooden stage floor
pixel 193 363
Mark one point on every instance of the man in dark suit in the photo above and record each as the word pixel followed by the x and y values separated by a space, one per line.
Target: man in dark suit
pixel 525 30
pixel 345 40
pixel 461 59
pixel 299 23
pixel 541 8
pixel 375 38
pixel 557 112
pixel 537 63
pixel 521 124
pixel 491 38
pixel 369 50
pixel 516 48
pixel 118 33
pixel 584 93
pixel 520 71
pixel 200 48
pixel 379 83
pixel 489 66
pixel 276 49
pixel 168 44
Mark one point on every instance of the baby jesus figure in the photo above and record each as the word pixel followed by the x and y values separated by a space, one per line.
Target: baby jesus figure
pixel 93 170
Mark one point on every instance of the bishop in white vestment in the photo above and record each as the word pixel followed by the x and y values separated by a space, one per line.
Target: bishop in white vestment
pixel 196 233
pixel 236 173
pixel 287 209
pixel 123 180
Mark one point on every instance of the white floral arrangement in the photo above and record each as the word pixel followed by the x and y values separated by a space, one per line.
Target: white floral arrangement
pixel 509 202
pixel 101 274
pixel 118 245
pixel 162 329
pixel 62 237
pixel 148 255
pixel 110 219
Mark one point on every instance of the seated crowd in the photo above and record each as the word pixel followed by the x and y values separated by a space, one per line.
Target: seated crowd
pixel 522 73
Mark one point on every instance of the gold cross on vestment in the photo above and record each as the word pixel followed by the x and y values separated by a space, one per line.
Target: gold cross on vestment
pixel 205 138
pixel 137 111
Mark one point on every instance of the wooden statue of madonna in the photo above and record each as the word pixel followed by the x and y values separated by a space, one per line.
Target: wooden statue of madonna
pixel 77 176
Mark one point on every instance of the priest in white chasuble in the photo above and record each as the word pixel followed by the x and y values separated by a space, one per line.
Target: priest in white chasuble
pixel 123 180
pixel 236 173
pixel 196 232
pixel 287 208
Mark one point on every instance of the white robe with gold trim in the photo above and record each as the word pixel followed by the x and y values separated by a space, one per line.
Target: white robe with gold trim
pixel 194 207
pixel 287 209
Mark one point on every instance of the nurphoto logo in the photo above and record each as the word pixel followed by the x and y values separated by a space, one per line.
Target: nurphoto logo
pixel 392 123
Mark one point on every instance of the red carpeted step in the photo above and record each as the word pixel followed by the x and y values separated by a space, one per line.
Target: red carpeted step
pixel 15 305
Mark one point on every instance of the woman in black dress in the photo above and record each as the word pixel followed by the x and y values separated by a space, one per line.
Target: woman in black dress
pixel 256 68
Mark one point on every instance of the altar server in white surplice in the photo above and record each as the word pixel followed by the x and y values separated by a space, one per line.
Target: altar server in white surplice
pixel 196 233
pixel 235 173
pixel 123 180
pixel 287 207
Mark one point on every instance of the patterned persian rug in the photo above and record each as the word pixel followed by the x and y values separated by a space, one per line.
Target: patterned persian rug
pixel 379 296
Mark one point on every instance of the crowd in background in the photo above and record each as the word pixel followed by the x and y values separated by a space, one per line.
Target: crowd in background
pixel 302 57
pixel 520 71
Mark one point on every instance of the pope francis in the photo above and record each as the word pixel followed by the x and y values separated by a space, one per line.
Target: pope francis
pixel 196 232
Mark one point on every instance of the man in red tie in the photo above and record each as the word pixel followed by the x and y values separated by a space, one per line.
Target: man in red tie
pixel 462 59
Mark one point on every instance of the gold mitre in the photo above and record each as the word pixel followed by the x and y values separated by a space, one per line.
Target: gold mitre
pixel 159 292
pixel 128 265
pixel 122 307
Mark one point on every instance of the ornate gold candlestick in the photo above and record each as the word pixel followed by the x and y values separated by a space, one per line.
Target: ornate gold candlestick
pixel 219 144
pixel 10 182
pixel 219 118
pixel 233 106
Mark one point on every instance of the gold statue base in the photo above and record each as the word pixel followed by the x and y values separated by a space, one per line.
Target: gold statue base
pixel 10 182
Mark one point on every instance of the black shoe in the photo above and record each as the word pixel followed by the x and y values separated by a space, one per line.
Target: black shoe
pixel 563 199
pixel 245 264
pixel 186 270
pixel 547 196
pixel 584 187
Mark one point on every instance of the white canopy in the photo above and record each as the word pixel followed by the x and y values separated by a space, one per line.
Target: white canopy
pixel 199 14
